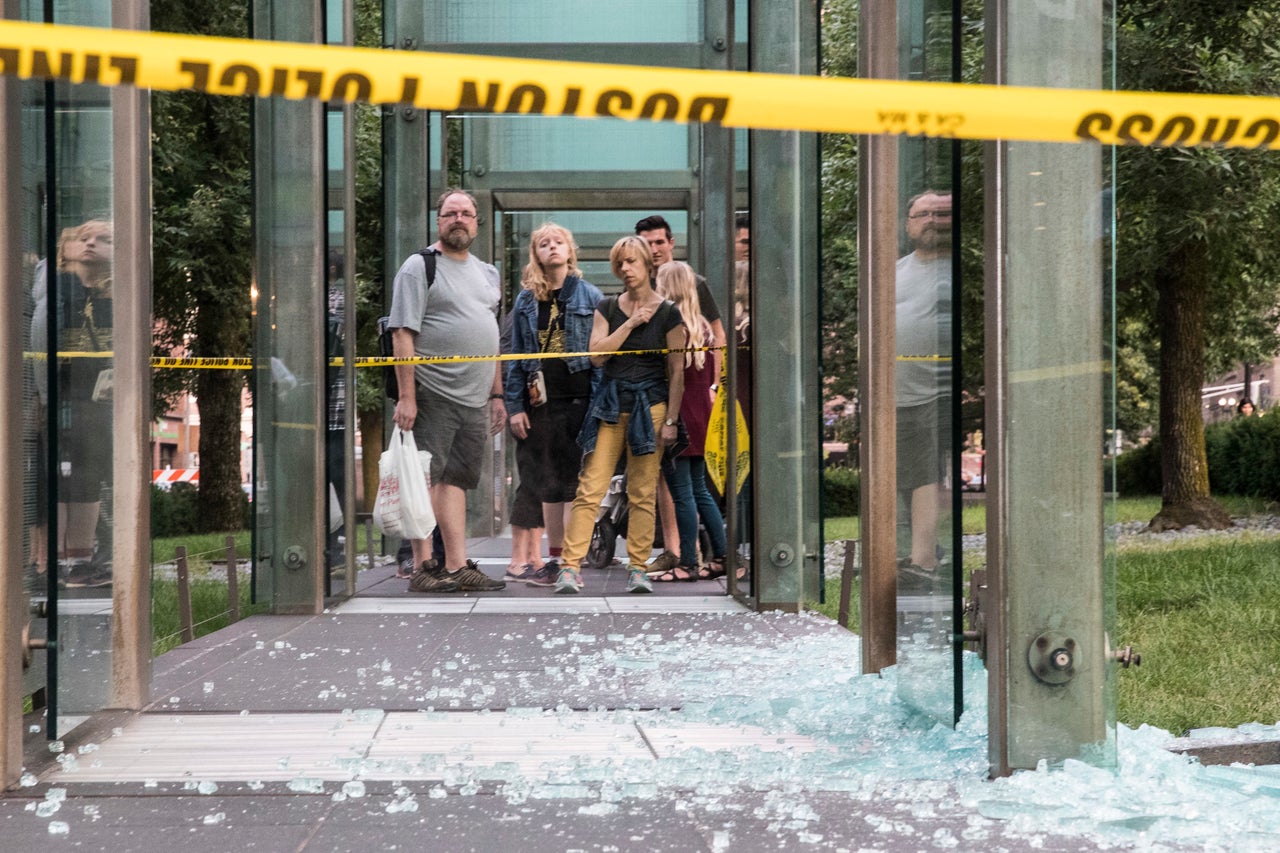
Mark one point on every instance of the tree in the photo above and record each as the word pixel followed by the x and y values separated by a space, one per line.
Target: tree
pixel 1195 225
pixel 202 245
pixel 371 403
pixel 840 214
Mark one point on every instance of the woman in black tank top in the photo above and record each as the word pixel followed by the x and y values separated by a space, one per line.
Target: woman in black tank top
pixel 633 411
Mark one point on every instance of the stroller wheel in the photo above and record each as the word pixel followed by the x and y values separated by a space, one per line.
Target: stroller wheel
pixel 604 539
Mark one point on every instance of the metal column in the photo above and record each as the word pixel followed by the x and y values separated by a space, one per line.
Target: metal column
pixel 13 615
pixel 784 210
pixel 1050 576
pixel 131 402
pixel 877 259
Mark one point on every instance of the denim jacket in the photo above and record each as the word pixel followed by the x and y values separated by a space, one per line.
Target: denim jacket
pixel 580 300
pixel 605 407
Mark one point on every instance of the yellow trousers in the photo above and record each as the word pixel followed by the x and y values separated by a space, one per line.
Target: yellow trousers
pixel 642 489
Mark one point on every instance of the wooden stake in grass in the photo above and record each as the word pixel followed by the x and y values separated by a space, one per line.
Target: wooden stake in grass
pixel 233 580
pixel 185 622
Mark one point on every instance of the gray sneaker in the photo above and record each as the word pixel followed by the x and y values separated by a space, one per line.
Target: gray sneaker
pixel 427 580
pixel 470 579
pixel 568 582
pixel 638 581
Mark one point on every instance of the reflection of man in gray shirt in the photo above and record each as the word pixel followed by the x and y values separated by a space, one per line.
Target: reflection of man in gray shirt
pixel 452 408
pixel 923 374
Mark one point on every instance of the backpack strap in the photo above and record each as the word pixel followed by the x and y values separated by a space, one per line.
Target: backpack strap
pixel 429 261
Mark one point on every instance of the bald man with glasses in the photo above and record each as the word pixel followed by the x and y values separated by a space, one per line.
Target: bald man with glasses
pixel 922 380
pixel 451 408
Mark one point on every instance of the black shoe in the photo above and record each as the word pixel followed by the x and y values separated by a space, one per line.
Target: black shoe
pixel 87 575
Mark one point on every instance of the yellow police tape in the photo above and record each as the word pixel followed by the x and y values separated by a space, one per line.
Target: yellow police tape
pixel 469 83
pixel 206 363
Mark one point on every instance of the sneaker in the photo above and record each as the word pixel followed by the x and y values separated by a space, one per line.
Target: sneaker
pixel 544 576
pixel 427 580
pixel 917 580
pixel 568 582
pixel 665 562
pixel 87 575
pixel 405 569
pixel 638 581
pixel 518 574
pixel 470 579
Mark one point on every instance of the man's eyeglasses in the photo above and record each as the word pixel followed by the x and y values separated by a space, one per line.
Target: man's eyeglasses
pixel 458 214
pixel 935 214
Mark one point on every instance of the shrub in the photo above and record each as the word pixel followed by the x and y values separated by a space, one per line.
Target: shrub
pixel 1138 470
pixel 1243 455
pixel 840 495
pixel 174 512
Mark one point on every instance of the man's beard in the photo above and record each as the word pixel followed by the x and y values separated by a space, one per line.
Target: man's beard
pixel 457 238
pixel 934 239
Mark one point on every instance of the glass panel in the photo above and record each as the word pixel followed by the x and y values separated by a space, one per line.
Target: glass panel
pixel 37 503
pixel 556 144
pixel 289 339
pixel 923 386
pixel 80 287
pixel 336 444
pixel 1058 560
pixel 553 21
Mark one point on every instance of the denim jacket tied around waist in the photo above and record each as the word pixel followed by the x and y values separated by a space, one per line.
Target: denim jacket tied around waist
pixel 605 407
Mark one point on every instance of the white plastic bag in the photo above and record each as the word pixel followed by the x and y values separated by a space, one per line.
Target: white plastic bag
pixel 403 505
pixel 335 510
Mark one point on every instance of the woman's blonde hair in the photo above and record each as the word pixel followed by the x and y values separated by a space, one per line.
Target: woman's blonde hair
pixel 96 276
pixel 634 244
pixel 677 282
pixel 535 276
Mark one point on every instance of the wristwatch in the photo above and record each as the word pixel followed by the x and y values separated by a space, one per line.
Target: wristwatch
pixel 495 396
pixel 668 422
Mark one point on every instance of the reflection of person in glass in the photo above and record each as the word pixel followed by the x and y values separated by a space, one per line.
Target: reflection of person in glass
pixel 37 415
pixel 923 375
pixel 84 403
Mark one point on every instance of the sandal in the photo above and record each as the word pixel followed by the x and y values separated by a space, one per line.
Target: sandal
pixel 712 570
pixel 670 576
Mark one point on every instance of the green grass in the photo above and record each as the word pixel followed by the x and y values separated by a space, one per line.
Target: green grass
pixel 1204 614
pixel 1205 619
pixel 210 610
pixel 210 607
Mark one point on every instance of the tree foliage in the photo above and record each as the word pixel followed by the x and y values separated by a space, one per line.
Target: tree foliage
pixel 1196 272
pixel 202 249
pixel 840 213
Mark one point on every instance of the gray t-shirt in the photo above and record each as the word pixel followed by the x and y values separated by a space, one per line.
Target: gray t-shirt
pixel 923 330
pixel 456 317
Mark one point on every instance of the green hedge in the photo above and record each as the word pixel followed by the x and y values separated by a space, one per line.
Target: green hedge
pixel 176 512
pixel 1244 459
pixel 840 496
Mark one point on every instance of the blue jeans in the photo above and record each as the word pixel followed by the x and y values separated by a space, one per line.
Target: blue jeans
pixel 687 480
